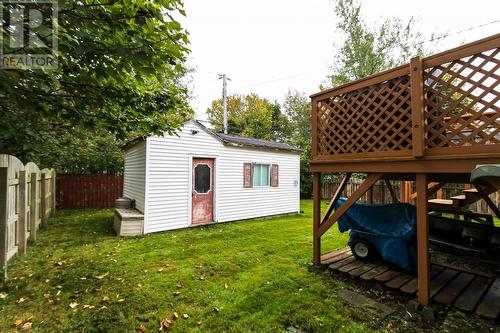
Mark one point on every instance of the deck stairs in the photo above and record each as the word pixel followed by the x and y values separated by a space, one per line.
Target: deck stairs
pixel 458 204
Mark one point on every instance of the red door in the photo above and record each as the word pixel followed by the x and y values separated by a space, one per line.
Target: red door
pixel 203 190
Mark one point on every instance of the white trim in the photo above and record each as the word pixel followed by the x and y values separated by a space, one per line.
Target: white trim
pixel 298 187
pixel 190 187
pixel 146 186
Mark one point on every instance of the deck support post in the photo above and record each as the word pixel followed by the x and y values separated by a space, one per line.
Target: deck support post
pixel 336 196
pixel 316 218
pixel 422 239
pixel 369 182
pixel 394 197
pixel 417 106
pixel 487 199
pixel 369 196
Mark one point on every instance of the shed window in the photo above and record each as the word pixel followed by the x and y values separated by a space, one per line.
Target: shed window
pixel 202 178
pixel 261 174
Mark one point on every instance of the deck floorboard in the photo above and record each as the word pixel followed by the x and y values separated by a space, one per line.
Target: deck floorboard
pixel 465 290
pixel 490 305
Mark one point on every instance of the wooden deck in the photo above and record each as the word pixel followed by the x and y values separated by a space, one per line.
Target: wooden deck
pixel 466 291
pixel 432 120
pixel 437 114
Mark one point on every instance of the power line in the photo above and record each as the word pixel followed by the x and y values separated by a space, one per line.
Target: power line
pixel 433 39
pixel 275 80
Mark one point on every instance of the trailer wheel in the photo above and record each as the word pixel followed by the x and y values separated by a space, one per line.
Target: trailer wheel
pixel 362 249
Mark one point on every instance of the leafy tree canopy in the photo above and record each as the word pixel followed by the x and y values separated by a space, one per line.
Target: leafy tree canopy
pixel 121 72
pixel 250 116
pixel 365 50
pixel 297 107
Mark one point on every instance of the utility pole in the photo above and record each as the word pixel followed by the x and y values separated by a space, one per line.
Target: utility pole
pixel 224 98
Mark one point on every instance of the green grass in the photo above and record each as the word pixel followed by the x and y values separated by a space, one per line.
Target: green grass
pixel 496 221
pixel 252 276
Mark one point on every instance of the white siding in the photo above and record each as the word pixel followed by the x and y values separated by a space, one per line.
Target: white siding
pixel 134 182
pixel 169 180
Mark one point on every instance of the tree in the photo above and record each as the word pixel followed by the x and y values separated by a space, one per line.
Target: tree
pixel 250 116
pixel 368 50
pixel 85 151
pixel 121 71
pixel 298 109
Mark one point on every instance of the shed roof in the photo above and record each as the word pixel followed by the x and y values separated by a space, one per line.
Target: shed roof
pixel 233 140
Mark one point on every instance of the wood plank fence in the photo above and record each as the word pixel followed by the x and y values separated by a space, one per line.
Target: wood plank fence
pixel 381 194
pixel 88 190
pixel 27 199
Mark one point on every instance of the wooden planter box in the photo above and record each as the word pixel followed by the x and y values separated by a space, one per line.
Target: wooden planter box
pixel 128 222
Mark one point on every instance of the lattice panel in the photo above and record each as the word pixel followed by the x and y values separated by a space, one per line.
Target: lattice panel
pixel 462 100
pixel 373 119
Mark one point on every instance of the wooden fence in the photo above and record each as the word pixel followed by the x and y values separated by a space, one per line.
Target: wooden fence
pixel 88 190
pixel 27 199
pixel 382 195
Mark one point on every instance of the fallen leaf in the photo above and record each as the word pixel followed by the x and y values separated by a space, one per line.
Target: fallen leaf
pixel 202 277
pixel 102 276
pixel 103 307
pixel 139 285
pixel 58 293
pixel 165 324
pixel 21 300
pixel 179 285
pixel 17 322
pixel 198 322
pixel 176 315
pixel 88 306
pixel 145 271
pixel 185 315
pixel 73 305
pixel 141 328
pixel 121 300
pixel 176 293
pixel 31 275
pixel 226 286
pixel 28 326
pixel 59 263
pixel 105 299
pixel 3 295
pixel 216 309
pixel 160 270
pixel 59 286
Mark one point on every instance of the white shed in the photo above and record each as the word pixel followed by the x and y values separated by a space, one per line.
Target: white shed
pixel 201 177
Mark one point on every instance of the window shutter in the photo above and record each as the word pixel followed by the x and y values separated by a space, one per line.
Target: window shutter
pixel 274 175
pixel 247 175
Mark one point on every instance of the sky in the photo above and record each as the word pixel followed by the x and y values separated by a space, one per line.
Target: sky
pixel 271 46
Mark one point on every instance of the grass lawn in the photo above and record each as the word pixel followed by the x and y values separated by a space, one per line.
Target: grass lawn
pixel 253 276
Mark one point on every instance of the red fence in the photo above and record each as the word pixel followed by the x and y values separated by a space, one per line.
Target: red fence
pixel 88 190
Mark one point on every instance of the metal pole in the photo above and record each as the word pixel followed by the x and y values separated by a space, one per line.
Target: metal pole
pixel 224 100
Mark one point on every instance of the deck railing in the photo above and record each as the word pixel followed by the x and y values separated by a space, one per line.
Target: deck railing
pixel 440 106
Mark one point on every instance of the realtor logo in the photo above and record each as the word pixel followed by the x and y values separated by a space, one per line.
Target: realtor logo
pixel 28 39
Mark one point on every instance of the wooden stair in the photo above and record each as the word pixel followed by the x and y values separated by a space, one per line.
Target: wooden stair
pixel 458 204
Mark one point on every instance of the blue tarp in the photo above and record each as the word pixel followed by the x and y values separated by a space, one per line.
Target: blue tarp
pixel 390 228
